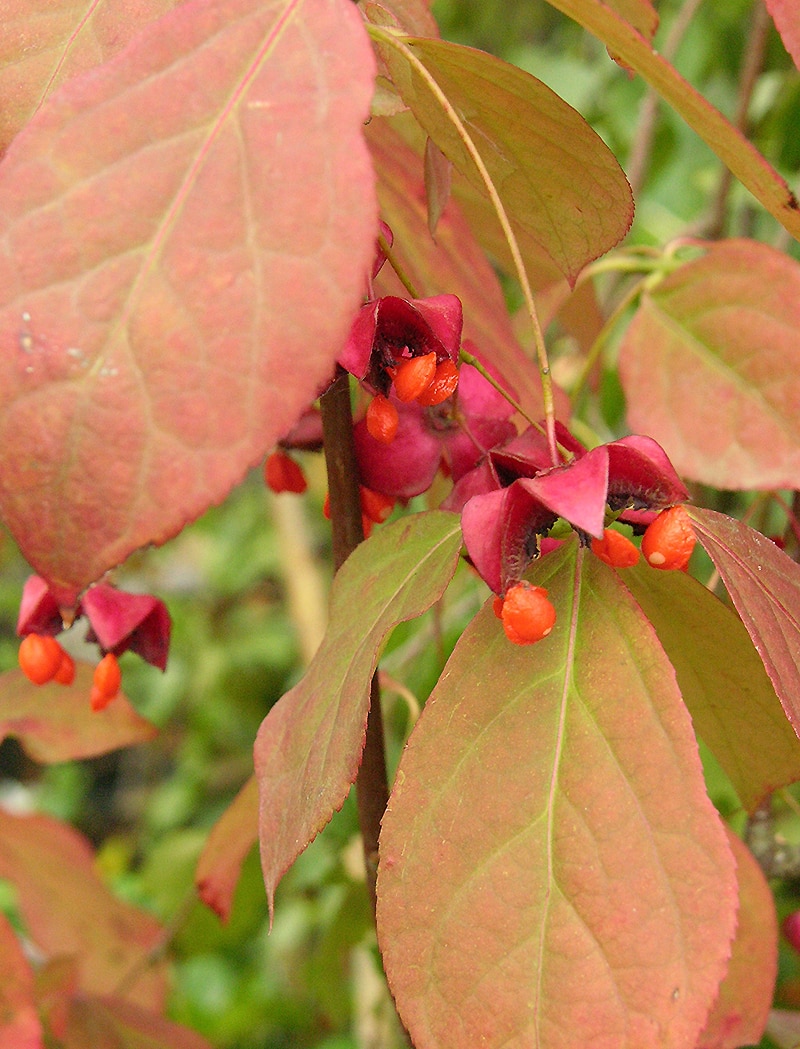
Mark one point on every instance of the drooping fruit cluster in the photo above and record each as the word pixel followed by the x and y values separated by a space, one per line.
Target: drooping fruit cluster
pixel 526 613
pixel 284 474
pixel 117 622
pixel 669 541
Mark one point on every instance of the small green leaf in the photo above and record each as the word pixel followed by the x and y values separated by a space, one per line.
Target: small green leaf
pixel 550 860
pixel 764 585
pixel 722 680
pixel 309 746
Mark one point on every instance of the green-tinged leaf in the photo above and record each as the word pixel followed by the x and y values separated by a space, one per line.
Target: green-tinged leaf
pixel 228 844
pixel 722 681
pixel 56 722
pixel 710 365
pixel 452 262
pixel 184 237
pixel 730 145
pixel 764 585
pixel 44 44
pixel 98 1022
pixel 552 871
pixel 68 910
pixel 557 180
pixel 783 1027
pixel 745 995
pixel 309 745
pixel 19 1023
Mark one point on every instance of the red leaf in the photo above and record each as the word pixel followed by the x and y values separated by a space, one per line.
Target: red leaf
pixel 45 44
pixel 740 1012
pixel 184 239
pixel 786 16
pixel 711 367
pixel 68 910
pixel 552 871
pixel 100 1022
pixel 764 585
pixel 19 1023
pixel 55 722
pixel 229 842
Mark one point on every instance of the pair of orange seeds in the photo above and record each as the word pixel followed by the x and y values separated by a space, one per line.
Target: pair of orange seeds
pixel 667 543
pixel 42 659
pixel 528 615
pixel 418 379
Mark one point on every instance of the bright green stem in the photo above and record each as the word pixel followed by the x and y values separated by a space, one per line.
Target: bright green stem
pixel 390 38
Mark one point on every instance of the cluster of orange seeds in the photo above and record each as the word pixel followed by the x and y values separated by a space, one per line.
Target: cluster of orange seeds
pixel 528 615
pixel 418 379
pixel 42 659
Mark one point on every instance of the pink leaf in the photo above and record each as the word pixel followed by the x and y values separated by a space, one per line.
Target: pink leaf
pixel 56 723
pixel 740 1012
pixel 68 910
pixel 764 585
pixel 786 16
pixel 550 861
pixel 229 842
pixel 711 367
pixel 185 236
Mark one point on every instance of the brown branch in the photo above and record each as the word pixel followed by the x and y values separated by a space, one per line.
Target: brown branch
pixel 372 784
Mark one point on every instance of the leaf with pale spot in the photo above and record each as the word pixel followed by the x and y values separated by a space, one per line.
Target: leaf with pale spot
pixel 185 234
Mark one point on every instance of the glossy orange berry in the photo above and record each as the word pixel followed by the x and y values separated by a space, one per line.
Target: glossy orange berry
pixel 382 419
pixel 669 540
pixel 39 658
pixel 615 549
pixel 443 385
pixel 107 681
pixel 527 614
pixel 497 606
pixel 375 506
pixel 413 376
pixel 65 674
pixel 283 474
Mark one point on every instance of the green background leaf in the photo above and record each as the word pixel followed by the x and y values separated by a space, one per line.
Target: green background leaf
pixel 722 681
